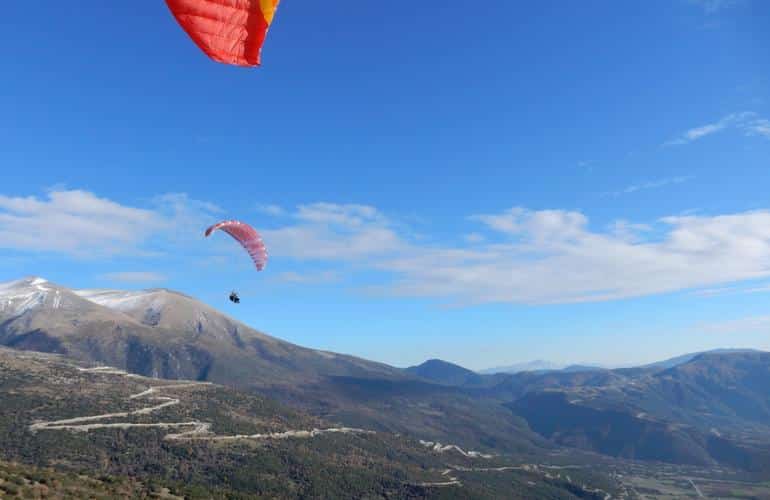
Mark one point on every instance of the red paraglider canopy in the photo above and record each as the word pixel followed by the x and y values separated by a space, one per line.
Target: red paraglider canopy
pixel 247 236
pixel 228 31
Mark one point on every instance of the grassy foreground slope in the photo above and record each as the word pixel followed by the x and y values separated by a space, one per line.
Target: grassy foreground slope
pixel 25 481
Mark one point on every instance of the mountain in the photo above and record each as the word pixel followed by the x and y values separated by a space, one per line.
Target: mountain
pixel 680 360
pixel 658 366
pixel 714 408
pixel 76 432
pixel 530 366
pixel 160 333
pixel 718 388
pixel 621 433
pixel 442 372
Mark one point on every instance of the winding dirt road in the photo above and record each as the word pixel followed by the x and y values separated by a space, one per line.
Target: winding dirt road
pixel 199 431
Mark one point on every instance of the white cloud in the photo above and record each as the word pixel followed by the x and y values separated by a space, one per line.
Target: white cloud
pixel 747 122
pixel 135 277
pixel 552 257
pixel 321 242
pixel 334 232
pixel 698 132
pixel 73 222
pixel 759 127
pixel 540 225
pixel 628 231
pixel 81 224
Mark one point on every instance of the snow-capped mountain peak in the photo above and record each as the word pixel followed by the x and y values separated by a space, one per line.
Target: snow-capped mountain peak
pixel 18 297
pixel 158 332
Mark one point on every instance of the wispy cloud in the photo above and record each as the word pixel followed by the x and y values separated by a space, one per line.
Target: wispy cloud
pixel 140 277
pixel 748 122
pixel 759 126
pixel 633 188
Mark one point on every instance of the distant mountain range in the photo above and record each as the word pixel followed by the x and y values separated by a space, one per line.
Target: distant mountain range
pixel 543 366
pixel 529 366
pixel 700 409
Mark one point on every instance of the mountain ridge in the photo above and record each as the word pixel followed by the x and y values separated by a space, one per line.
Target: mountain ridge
pixel 161 333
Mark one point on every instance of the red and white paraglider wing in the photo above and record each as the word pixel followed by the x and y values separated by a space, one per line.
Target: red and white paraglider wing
pixel 247 236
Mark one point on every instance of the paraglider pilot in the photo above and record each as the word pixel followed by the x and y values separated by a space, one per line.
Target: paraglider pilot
pixel 249 239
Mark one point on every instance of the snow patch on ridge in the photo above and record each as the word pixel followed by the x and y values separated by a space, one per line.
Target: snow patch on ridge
pixel 115 299
pixel 124 301
pixel 18 297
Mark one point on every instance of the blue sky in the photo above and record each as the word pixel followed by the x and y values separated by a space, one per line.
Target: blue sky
pixel 573 181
